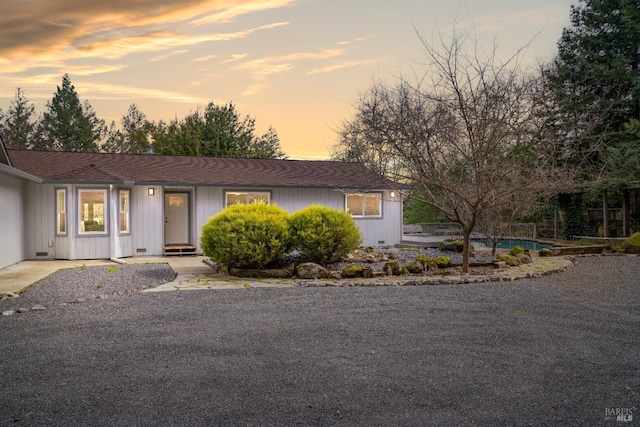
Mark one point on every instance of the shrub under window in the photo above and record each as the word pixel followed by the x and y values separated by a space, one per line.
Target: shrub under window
pixel 247 235
pixel 324 235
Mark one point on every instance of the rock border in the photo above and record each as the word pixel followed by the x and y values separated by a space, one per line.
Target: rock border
pixel 539 268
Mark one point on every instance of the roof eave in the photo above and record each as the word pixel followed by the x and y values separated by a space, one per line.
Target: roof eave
pixel 9 170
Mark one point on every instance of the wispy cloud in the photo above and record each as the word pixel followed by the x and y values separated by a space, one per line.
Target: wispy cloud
pixel 118 48
pixel 205 58
pixel 47 30
pixel 340 66
pixel 277 64
pixel 262 67
pixel 254 89
pixel 348 42
pixel 88 70
pixel 102 91
pixel 241 8
pixel 234 58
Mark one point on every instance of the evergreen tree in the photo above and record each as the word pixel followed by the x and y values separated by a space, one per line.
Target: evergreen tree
pixel 115 139
pixel 218 132
pixel 225 134
pixel 132 139
pixel 593 88
pixel 267 146
pixel 19 126
pixel 69 125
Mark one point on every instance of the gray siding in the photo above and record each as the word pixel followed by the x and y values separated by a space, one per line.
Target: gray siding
pixel 40 220
pixel 376 231
pixel 208 202
pixel 385 231
pixel 12 223
pixel 147 221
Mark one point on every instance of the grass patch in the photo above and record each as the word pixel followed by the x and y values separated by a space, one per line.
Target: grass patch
pixel 523 313
pixel 406 249
pixel 113 269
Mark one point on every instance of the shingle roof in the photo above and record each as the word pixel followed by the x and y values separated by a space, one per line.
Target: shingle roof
pixel 59 166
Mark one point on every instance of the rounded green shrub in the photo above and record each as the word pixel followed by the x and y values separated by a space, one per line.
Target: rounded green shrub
pixel 424 259
pixel 516 250
pixel 324 235
pixel 427 262
pixel 633 244
pixel 247 236
pixel 443 261
pixel 545 252
pixel 508 259
pixel 351 271
pixel 414 267
pixel 393 266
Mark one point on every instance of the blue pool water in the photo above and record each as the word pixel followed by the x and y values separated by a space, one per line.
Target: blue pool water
pixel 531 245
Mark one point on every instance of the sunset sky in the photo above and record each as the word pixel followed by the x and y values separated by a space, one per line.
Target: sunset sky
pixel 296 65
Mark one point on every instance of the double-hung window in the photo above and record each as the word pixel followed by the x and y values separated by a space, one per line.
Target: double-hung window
pixel 92 207
pixel 61 211
pixel 125 197
pixel 246 197
pixel 364 205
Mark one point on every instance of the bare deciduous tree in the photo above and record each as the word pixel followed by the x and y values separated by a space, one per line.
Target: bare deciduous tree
pixel 462 132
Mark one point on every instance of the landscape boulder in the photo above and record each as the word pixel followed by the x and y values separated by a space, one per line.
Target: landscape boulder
pixel 311 270
pixel 414 267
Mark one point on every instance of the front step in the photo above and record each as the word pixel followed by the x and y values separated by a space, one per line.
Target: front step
pixel 179 249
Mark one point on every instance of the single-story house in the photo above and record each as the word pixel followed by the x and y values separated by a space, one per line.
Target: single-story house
pixel 70 205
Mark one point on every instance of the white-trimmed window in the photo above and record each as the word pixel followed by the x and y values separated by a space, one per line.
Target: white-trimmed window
pixel 61 211
pixel 246 197
pixel 92 212
pixel 364 205
pixel 123 206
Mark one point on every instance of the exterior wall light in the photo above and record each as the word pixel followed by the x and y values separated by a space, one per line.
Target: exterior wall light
pixel 151 191
pixel 393 194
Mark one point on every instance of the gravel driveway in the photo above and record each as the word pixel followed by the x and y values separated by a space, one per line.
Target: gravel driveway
pixel 557 350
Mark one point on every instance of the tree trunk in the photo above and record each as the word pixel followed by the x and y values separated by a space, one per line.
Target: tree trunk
pixel 465 250
pixel 605 214
pixel 625 213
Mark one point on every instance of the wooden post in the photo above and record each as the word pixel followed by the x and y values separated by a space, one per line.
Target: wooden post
pixel 555 222
pixel 605 215
pixel 625 213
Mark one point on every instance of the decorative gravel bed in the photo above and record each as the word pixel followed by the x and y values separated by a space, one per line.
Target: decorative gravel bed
pixel 76 285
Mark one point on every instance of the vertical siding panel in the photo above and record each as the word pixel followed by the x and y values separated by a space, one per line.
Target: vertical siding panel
pixel 209 202
pixel 147 221
pixel 29 218
pixel 40 224
pixel 12 220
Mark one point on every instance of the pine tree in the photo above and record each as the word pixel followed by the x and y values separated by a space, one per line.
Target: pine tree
pixel 225 134
pixel 69 125
pixel 132 139
pixel 218 132
pixel 593 87
pixel 19 126
pixel 267 146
